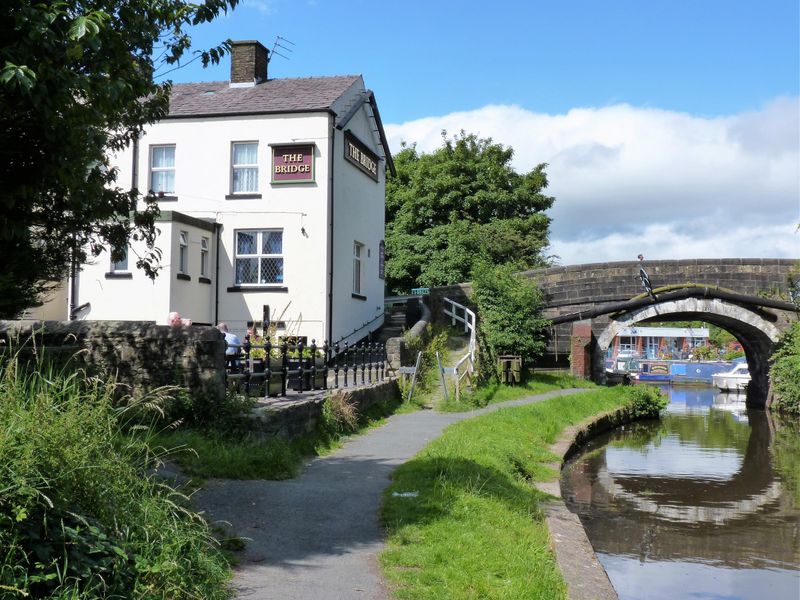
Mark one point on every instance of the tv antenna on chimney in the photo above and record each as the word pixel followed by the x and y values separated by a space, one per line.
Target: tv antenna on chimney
pixel 280 42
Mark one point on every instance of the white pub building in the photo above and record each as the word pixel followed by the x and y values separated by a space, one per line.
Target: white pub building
pixel 272 197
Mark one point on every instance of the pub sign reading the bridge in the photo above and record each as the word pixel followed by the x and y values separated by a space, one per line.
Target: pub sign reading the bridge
pixel 293 164
pixel 361 156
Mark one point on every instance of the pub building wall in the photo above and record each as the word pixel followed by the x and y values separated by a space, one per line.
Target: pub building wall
pixel 358 216
pixel 300 210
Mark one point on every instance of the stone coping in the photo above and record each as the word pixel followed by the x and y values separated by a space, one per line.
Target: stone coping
pixel 585 577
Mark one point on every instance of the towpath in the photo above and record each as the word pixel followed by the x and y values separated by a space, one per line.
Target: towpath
pixel 318 536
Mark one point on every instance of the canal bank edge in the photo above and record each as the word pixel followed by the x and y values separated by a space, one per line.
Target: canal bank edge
pixel 585 577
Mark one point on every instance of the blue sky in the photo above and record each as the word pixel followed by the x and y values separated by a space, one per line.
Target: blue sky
pixel 612 94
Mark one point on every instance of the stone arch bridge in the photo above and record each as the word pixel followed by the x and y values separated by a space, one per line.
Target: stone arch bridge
pixel 590 303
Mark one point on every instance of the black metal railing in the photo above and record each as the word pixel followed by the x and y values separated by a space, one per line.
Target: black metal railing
pixel 304 367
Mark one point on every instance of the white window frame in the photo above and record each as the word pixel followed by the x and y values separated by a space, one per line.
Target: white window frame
pixel 204 257
pixel 183 252
pixel 358 266
pixel 234 166
pixel 163 169
pixel 258 255
pixel 120 266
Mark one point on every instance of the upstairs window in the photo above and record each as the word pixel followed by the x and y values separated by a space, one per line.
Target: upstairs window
pixel 162 169
pixel 183 253
pixel 259 257
pixel 204 257
pixel 244 167
pixel 120 265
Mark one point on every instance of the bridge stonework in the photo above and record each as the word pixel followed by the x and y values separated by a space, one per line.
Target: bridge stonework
pixel 577 288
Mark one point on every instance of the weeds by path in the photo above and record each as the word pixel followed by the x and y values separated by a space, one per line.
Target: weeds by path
pixel 80 518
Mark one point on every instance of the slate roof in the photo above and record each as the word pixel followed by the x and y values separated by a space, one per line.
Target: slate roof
pixel 304 94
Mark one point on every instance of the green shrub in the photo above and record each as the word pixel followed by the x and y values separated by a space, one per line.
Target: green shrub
pixel 80 517
pixel 644 401
pixel 509 312
pixel 785 371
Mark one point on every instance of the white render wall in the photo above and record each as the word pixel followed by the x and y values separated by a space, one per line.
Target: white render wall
pixel 359 213
pixel 202 182
pixel 140 298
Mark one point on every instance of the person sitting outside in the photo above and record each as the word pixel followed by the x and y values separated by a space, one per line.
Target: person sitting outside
pixel 233 345
pixel 174 320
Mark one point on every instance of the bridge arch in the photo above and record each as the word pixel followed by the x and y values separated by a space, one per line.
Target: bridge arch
pixel 756 334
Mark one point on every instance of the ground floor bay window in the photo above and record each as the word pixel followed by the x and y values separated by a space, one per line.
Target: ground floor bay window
pixel 259 257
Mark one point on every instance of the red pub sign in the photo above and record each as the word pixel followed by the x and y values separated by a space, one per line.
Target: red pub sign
pixel 293 164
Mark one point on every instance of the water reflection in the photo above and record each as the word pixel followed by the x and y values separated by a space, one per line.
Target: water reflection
pixel 702 503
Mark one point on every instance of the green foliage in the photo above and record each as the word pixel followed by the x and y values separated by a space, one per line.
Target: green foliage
pixel 785 371
pixel 77 84
pixel 475 527
pixel 644 401
pixel 704 353
pixel 80 517
pixel 785 450
pixel 458 204
pixel 535 383
pixel 732 354
pixel 434 340
pixel 509 311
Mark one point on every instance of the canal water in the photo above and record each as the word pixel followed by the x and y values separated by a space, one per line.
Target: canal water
pixel 703 504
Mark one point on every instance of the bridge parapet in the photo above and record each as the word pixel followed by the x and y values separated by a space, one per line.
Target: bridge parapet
pixel 589 284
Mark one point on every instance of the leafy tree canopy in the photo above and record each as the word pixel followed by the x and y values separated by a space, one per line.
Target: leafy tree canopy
pixel 510 317
pixel 77 84
pixel 462 203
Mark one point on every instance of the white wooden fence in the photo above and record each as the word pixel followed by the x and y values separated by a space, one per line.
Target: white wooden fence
pixel 465 367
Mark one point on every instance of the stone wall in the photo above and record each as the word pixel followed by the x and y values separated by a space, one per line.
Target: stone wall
pixel 293 418
pixel 397 351
pixel 139 354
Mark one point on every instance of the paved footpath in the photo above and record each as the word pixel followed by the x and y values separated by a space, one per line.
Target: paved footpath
pixel 317 537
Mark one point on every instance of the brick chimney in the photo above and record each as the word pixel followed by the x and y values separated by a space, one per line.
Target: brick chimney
pixel 249 60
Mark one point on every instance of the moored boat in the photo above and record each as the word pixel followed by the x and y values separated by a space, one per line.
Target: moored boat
pixel 735 379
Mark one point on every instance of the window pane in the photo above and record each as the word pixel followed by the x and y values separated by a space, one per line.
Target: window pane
pixel 271 270
pixel 246 242
pixel 272 242
pixel 245 154
pixel 163 181
pixel 120 265
pixel 246 270
pixel 245 179
pixel 164 156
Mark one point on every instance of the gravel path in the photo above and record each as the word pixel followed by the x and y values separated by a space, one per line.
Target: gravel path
pixel 317 537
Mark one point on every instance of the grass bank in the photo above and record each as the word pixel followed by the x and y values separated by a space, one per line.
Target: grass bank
pixel 535 383
pixel 463 519
pixel 230 449
pixel 80 516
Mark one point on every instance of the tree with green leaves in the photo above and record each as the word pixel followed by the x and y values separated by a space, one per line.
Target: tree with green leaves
pixel 510 317
pixel 77 83
pixel 462 203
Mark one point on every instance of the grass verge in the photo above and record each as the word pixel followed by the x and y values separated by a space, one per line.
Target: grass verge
pixel 463 519
pixel 536 383
pixel 233 451
pixel 80 515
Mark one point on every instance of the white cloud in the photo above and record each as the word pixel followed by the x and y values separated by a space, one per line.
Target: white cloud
pixel 665 184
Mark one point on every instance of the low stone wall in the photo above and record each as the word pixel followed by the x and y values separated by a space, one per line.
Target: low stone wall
pixel 291 418
pixel 138 354
pixel 397 351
